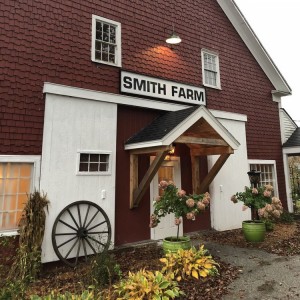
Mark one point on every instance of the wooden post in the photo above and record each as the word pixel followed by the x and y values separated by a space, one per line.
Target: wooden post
pixel 195 174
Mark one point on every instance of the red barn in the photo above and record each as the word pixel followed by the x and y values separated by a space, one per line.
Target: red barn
pixel 93 99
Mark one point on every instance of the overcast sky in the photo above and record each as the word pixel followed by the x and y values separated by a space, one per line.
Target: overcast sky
pixel 277 25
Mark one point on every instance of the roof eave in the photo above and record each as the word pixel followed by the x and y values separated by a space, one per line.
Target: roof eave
pixel 254 45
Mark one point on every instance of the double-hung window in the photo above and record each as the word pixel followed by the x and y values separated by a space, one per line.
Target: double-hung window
pixel 210 69
pixel 106 41
pixel 268 172
pixel 19 175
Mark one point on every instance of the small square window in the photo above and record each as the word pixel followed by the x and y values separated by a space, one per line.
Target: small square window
pixel 210 69
pixel 94 163
pixel 106 41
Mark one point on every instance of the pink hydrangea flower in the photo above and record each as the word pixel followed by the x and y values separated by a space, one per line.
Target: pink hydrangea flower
pixel 158 198
pixel 201 205
pixel 190 202
pixel 205 201
pixel 153 221
pixel 163 184
pixel 190 216
pixel 269 187
pixel 267 193
pixel 254 191
pixel 207 196
pixel 181 193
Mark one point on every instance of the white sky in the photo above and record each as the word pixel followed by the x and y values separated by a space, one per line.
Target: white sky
pixel 277 25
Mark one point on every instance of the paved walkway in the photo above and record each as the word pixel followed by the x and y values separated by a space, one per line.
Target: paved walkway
pixel 263 276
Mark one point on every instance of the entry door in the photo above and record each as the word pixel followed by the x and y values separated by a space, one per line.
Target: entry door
pixel 169 171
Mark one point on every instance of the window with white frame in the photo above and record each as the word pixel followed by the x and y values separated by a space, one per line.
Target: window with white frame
pixel 268 172
pixel 92 163
pixel 18 177
pixel 210 69
pixel 106 41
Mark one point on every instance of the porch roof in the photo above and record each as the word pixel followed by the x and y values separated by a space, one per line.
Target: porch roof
pixel 294 139
pixel 195 125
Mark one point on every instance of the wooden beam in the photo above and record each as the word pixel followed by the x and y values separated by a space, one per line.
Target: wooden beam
pixel 211 151
pixel 139 192
pixel 212 173
pixel 133 177
pixel 151 149
pixel 201 141
pixel 195 174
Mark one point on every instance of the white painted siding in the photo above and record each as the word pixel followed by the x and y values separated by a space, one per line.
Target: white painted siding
pixel 232 178
pixel 288 125
pixel 71 125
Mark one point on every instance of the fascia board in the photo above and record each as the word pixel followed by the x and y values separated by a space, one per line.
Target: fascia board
pixel 202 112
pixel 254 45
pixel 80 93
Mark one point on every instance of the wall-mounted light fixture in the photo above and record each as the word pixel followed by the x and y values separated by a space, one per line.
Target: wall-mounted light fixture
pixel 174 38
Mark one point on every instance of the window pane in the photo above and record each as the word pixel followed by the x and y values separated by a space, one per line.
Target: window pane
pixel 25 170
pixel 104 157
pixel 12 170
pixel 94 167
pixel 84 157
pixel 11 186
pixel 103 167
pixel 94 157
pixel 24 186
pixel 83 167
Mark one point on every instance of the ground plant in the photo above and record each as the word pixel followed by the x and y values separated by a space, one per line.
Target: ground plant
pixel 185 264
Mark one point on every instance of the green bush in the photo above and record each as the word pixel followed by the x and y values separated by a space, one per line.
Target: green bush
pixel 104 269
pixel 287 217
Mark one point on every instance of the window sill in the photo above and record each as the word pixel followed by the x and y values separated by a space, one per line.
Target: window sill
pixel 9 233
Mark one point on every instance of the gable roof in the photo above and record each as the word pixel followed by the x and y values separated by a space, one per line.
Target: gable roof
pixel 247 34
pixel 164 130
pixel 294 139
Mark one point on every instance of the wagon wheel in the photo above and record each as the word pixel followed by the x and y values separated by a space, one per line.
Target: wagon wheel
pixel 82 228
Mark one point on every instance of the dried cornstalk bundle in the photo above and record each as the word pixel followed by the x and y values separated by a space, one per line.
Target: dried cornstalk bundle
pixel 32 228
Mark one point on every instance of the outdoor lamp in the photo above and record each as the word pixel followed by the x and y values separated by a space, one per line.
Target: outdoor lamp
pixel 254 177
pixel 174 38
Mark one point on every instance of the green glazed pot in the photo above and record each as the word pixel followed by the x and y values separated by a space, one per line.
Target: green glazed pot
pixel 172 244
pixel 254 231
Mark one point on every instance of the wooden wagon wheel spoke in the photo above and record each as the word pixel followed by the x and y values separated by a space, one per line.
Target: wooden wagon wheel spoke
pixel 82 228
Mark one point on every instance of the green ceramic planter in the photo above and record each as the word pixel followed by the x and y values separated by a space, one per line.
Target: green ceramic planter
pixel 172 244
pixel 254 231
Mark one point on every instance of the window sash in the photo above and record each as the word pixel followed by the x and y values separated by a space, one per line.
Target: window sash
pixel 210 69
pixel 268 173
pixel 15 184
pixel 94 163
pixel 106 41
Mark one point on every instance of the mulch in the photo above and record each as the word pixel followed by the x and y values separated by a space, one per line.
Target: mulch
pixel 284 240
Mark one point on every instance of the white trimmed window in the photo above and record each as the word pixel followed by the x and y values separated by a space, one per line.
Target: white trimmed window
pixel 106 41
pixel 268 172
pixel 19 176
pixel 94 163
pixel 210 69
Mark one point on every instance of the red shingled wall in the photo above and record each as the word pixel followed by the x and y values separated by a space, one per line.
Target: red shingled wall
pixel 50 41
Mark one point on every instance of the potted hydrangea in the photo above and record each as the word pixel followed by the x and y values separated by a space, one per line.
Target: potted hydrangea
pixel 265 209
pixel 183 206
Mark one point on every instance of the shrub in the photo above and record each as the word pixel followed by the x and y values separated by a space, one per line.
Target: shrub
pixel 189 263
pixel 286 217
pixel 147 285
pixel 104 269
